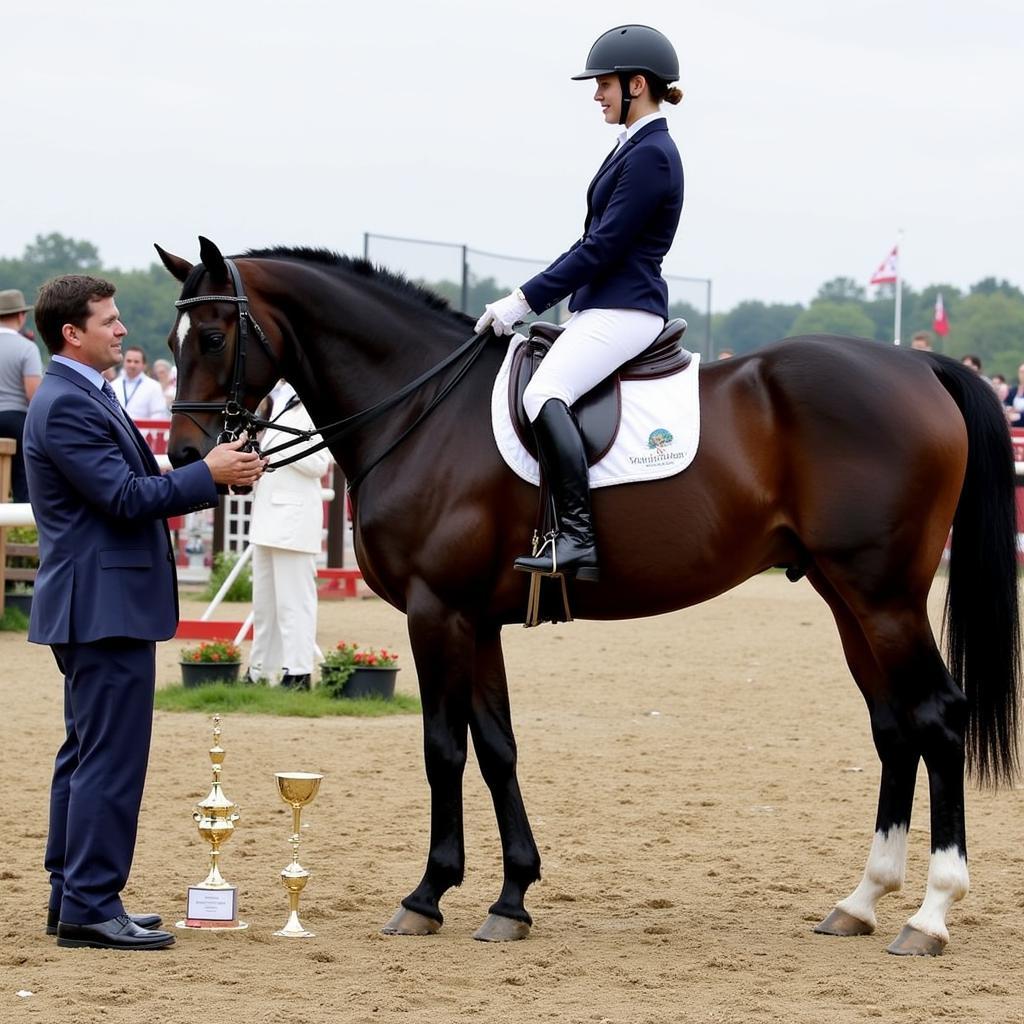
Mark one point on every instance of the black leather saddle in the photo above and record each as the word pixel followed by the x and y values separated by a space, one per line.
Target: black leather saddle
pixel 599 410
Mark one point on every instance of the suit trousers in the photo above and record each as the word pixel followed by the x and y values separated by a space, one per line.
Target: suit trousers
pixel 594 344
pixel 12 424
pixel 99 774
pixel 284 605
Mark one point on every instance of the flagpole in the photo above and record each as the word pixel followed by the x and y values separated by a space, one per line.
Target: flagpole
pixel 899 291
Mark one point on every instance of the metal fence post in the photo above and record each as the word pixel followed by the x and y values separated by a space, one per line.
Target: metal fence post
pixel 465 280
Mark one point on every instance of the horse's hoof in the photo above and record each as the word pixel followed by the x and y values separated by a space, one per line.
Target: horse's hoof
pixel 839 922
pixel 408 922
pixel 911 942
pixel 501 929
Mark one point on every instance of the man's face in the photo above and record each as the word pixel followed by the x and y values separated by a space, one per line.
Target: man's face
pixel 98 344
pixel 133 363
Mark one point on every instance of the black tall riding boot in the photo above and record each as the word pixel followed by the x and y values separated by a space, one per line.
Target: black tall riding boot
pixel 565 464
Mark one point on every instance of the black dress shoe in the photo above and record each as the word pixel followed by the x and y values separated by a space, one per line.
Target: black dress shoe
pixel 293 682
pixel 142 920
pixel 117 933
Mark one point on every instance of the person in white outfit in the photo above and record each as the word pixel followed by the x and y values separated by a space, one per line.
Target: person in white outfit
pixel 286 531
pixel 139 394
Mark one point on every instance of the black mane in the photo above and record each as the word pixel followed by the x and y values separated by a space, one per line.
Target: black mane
pixel 360 267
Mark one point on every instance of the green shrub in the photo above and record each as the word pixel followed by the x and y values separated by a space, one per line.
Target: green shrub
pixel 241 589
pixel 13 620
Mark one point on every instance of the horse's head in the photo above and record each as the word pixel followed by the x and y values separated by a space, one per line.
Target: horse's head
pixel 227 359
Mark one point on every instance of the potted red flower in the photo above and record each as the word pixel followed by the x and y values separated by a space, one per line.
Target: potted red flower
pixel 349 671
pixel 213 661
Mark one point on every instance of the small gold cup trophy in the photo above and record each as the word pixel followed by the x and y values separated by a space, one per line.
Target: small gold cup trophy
pixel 213 903
pixel 297 789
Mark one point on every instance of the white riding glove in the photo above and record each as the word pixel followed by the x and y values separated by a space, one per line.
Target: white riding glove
pixel 503 315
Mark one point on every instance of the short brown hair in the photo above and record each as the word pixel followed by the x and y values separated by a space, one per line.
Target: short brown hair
pixel 65 300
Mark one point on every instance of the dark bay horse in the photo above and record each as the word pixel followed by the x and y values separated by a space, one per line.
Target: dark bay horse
pixel 843 460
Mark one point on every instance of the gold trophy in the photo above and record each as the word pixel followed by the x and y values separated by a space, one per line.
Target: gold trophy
pixel 297 789
pixel 213 903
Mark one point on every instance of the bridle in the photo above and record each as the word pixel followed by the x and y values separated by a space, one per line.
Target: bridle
pixel 238 419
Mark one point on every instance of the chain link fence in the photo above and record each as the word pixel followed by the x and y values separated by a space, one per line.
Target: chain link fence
pixel 469 278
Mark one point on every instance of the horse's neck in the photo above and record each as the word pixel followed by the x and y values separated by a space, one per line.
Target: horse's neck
pixel 350 363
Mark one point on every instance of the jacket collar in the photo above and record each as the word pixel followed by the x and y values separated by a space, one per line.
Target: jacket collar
pixel 658 125
pixel 129 429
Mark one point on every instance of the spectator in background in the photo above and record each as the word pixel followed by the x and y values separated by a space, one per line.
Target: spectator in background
pixel 1002 389
pixel 921 340
pixel 973 361
pixel 286 534
pixel 139 394
pixel 726 353
pixel 21 369
pixel 1014 400
pixel 167 378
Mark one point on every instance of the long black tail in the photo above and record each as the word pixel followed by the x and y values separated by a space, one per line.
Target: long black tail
pixel 981 621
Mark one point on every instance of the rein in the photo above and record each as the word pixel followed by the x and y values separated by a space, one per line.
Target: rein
pixel 238 419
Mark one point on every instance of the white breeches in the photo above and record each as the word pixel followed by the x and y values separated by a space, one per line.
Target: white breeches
pixel 595 343
pixel 284 606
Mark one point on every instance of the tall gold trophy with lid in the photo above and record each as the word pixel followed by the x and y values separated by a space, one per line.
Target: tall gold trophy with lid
pixel 213 903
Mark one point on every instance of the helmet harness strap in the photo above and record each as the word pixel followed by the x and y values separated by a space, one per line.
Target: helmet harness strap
pixel 624 79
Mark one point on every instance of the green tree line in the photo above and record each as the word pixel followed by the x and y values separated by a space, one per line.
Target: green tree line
pixel 987 319
pixel 144 297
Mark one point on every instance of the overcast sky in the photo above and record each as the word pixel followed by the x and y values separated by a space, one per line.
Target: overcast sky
pixel 810 131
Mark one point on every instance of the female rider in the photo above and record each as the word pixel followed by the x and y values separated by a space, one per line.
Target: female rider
pixel 618 298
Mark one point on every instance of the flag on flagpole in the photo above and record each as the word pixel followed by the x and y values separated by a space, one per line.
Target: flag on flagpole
pixel 888 271
pixel 940 325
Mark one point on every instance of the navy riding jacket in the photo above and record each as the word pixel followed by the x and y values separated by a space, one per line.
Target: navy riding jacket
pixel 633 208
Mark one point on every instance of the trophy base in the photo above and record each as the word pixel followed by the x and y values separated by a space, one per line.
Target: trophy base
pixel 212 908
pixel 284 933
pixel 211 926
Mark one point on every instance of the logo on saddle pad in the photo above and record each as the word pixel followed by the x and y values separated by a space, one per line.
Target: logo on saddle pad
pixel 660 450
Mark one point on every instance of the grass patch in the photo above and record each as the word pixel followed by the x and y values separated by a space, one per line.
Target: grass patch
pixel 14 620
pixel 267 700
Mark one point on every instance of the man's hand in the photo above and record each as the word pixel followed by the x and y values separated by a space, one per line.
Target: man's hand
pixel 234 468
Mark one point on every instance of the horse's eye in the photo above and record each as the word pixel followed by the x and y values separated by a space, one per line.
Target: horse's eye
pixel 211 340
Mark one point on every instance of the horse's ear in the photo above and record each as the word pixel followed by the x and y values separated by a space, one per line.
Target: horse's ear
pixel 178 267
pixel 212 259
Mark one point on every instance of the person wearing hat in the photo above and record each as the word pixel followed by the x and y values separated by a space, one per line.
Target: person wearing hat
pixel 21 369
pixel 612 275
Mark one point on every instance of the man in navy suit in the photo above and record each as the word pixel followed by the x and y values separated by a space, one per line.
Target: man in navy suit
pixel 105 592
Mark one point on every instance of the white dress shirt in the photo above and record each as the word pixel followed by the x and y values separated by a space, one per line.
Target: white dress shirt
pixel 142 398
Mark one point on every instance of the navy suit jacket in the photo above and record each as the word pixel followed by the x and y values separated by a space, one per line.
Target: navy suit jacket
pixel 106 564
pixel 633 208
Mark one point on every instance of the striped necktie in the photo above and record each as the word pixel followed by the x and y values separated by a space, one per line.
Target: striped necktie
pixel 111 398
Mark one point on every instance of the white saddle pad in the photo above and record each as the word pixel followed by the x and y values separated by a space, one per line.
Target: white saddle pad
pixel 657 437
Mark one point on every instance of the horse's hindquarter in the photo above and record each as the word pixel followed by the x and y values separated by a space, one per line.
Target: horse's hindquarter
pixel 872 447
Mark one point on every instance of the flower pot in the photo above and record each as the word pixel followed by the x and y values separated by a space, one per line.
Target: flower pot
pixel 370 681
pixel 202 673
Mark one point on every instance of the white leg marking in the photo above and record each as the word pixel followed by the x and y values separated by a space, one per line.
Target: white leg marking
pixel 947 883
pixel 184 326
pixel 884 873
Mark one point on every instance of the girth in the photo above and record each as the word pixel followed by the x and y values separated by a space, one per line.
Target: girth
pixel 599 410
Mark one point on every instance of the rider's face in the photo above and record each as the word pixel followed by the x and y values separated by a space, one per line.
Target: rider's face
pixel 609 94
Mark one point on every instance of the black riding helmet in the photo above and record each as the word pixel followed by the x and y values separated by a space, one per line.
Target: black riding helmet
pixel 627 50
